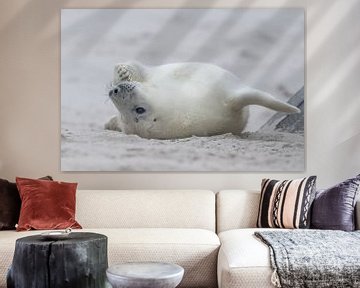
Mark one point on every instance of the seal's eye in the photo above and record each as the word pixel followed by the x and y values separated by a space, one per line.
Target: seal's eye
pixel 116 90
pixel 140 110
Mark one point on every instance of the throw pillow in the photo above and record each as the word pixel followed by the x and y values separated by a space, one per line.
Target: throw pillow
pixel 286 204
pixel 46 204
pixel 334 208
pixel 10 204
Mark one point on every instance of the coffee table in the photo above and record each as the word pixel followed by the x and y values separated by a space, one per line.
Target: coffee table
pixel 145 275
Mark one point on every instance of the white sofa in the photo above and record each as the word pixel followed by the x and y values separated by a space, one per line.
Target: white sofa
pixel 243 260
pixel 175 226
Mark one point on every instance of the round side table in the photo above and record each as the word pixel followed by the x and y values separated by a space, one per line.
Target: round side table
pixel 145 275
pixel 80 261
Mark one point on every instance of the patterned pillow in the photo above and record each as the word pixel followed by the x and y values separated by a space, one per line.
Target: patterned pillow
pixel 286 204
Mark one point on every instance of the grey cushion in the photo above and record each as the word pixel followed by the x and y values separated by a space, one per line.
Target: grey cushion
pixel 334 208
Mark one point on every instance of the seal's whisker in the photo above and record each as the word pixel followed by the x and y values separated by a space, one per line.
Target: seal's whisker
pixel 110 85
pixel 106 100
pixel 107 87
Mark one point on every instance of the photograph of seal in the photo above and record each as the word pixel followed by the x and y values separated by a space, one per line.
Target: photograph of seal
pixel 183 90
pixel 181 100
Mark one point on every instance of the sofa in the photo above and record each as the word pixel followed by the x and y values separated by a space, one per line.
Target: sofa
pixel 209 234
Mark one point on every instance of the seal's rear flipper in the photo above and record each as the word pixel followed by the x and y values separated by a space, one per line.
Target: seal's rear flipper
pixel 248 96
pixel 292 123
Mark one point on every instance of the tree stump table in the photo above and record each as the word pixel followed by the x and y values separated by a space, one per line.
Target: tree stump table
pixel 79 261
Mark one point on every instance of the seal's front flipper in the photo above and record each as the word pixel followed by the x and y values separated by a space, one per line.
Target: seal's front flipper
pixel 248 96
pixel 131 71
pixel 113 124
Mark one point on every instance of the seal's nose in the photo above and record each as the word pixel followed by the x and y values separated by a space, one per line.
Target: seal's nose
pixel 114 91
pixel 122 88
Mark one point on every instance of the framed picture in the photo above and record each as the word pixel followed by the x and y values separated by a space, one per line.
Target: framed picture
pixel 182 90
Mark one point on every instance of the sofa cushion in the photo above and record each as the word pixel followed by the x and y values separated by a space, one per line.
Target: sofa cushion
pixel 334 208
pixel 286 204
pixel 236 209
pixel 194 249
pixel 46 204
pixel 153 209
pixel 10 204
pixel 244 260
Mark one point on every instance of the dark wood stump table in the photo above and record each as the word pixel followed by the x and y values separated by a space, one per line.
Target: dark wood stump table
pixel 79 261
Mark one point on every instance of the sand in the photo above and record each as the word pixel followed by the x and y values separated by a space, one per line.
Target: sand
pixel 113 151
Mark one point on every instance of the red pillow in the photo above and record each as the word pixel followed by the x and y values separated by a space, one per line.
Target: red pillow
pixel 10 204
pixel 46 204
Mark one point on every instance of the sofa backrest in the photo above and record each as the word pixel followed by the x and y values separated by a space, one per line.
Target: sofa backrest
pixel 239 209
pixel 146 209
pixel 236 209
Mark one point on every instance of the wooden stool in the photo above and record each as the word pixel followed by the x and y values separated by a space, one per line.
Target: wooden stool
pixel 78 261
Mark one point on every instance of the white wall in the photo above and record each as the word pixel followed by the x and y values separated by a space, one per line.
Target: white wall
pixel 30 95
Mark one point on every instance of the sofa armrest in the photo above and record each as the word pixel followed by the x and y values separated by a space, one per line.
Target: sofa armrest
pixel 357 215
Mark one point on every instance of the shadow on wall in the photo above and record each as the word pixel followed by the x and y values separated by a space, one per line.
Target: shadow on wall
pixel 45 11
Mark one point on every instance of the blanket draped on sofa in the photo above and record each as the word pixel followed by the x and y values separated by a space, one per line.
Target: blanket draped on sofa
pixel 314 258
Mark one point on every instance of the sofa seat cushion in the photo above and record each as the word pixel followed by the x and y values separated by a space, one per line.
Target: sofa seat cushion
pixel 244 261
pixel 194 249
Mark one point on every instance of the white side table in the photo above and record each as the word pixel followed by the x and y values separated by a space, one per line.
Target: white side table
pixel 145 275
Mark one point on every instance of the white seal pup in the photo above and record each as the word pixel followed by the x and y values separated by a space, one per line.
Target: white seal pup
pixel 183 99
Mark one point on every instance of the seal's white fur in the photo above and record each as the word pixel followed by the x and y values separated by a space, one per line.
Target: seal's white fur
pixel 183 99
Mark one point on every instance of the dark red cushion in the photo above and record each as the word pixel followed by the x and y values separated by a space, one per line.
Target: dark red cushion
pixel 46 204
pixel 10 204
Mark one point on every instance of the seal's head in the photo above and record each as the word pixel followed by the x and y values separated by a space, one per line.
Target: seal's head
pixel 145 110
pixel 136 113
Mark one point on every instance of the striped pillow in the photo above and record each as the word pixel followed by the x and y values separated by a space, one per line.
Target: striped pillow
pixel 286 204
